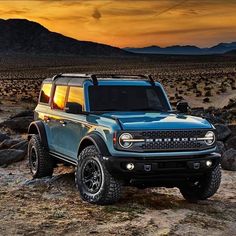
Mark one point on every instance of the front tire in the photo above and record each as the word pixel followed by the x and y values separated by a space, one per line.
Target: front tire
pixel 204 188
pixel 93 181
pixel 40 163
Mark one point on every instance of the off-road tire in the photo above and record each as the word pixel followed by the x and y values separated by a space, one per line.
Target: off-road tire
pixel 206 188
pixel 109 190
pixel 40 163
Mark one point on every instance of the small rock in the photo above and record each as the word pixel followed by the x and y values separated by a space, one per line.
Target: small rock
pixel 233 129
pixel 206 100
pixel 223 132
pixel 9 156
pixel 231 143
pixel 42 182
pixel 229 160
pixel 220 147
pixel 233 111
pixel 3 137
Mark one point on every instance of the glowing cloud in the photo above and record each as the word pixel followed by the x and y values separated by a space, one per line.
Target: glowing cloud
pixel 132 23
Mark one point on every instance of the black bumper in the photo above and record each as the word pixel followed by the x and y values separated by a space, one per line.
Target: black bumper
pixel 160 171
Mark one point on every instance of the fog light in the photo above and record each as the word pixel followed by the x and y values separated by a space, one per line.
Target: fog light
pixel 209 163
pixel 130 166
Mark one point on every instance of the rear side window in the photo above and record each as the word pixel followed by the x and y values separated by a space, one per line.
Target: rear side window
pixel 76 95
pixel 59 97
pixel 45 93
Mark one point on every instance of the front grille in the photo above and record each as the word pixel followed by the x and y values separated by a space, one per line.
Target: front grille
pixel 172 140
pixel 168 140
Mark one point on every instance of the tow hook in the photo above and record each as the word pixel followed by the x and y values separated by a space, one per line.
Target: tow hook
pixel 147 167
pixel 196 165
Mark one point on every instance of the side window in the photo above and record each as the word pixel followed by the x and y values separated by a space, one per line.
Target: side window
pixel 76 95
pixel 45 93
pixel 59 97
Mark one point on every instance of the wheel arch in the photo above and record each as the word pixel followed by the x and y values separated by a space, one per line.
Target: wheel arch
pixel 97 141
pixel 37 127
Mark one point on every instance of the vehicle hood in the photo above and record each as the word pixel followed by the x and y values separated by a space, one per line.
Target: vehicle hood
pixel 156 121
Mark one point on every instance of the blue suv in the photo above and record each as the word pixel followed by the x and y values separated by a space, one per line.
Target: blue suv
pixel 120 130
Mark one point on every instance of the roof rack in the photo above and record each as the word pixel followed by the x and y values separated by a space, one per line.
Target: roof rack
pixel 119 76
pixel 70 75
pixel 94 77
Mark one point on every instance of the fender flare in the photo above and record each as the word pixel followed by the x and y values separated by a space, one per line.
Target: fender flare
pixel 37 127
pixel 97 141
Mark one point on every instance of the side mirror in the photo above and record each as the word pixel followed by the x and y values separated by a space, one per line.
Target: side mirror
pixel 73 108
pixel 182 107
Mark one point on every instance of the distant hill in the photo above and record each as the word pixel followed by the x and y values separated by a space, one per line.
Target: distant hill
pixel 27 37
pixel 185 50
pixel 231 53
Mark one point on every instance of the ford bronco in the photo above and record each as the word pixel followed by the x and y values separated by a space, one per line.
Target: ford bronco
pixel 120 130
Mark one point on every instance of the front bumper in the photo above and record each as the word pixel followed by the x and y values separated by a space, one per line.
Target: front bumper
pixel 160 171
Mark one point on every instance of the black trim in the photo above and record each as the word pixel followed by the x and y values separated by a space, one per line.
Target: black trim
pixel 39 125
pixel 63 158
pixel 97 141
pixel 166 167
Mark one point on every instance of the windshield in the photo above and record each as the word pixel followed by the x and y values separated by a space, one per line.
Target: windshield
pixel 127 98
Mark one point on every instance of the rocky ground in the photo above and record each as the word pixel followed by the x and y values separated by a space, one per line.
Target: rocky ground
pixel 52 206
pixel 201 80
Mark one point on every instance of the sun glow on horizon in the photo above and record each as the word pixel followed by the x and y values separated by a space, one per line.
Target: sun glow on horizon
pixel 132 23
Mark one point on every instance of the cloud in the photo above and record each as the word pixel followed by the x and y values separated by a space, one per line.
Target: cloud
pixel 129 12
pixel 15 12
pixel 171 7
pixel 182 31
pixel 96 14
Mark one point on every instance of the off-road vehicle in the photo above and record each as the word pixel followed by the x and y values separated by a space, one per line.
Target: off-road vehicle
pixel 120 130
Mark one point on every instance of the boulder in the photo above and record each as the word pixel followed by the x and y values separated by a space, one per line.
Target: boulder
pixel 229 160
pixel 9 156
pixel 22 145
pixel 222 131
pixel 18 124
pixel 3 137
pixel 233 129
pixel 231 143
pixel 233 111
pixel 23 114
pixel 8 143
pixel 220 147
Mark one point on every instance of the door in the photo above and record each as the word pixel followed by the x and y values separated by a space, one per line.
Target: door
pixel 67 129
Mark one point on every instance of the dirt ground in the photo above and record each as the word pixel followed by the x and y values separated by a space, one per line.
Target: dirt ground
pixel 54 207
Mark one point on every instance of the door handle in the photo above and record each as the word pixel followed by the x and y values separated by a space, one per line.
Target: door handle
pixel 63 123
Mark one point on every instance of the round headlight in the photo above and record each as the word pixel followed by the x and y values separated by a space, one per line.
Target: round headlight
pixel 124 140
pixel 210 138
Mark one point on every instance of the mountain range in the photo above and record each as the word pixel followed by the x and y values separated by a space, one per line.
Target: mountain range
pixel 27 37
pixel 21 36
pixel 185 50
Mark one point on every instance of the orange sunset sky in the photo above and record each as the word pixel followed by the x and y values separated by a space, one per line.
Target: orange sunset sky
pixel 132 23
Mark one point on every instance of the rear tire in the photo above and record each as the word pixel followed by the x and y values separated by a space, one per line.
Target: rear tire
pixel 93 181
pixel 40 163
pixel 204 188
